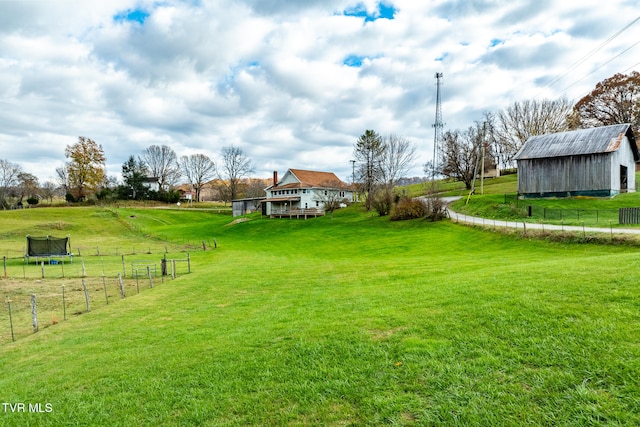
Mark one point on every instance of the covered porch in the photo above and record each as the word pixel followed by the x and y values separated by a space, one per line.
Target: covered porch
pixel 290 207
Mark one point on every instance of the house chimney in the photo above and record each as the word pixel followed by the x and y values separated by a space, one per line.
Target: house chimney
pixel 275 178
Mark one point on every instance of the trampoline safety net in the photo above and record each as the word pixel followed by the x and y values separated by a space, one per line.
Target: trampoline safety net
pixel 48 246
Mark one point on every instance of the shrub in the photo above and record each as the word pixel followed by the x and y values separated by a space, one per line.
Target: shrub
pixel 383 201
pixel 408 208
pixel 32 201
pixel 436 208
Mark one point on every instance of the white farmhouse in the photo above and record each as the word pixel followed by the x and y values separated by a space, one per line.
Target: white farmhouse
pixel 302 193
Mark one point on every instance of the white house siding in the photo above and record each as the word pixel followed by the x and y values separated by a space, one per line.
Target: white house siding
pixel 300 189
pixel 310 198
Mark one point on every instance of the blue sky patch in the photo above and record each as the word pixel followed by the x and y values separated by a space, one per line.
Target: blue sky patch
pixel 353 60
pixel 135 15
pixel 385 11
pixel 496 42
pixel 357 60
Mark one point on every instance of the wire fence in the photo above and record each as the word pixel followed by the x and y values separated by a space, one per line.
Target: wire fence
pixel 592 217
pixel 41 295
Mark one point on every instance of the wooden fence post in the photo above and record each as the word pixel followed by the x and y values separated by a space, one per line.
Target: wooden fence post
pixel 64 305
pixel 34 313
pixel 189 262
pixel 5 266
pixel 86 294
pixel 149 276
pixel 104 286
pixel 121 285
pixel 163 266
pixel 13 338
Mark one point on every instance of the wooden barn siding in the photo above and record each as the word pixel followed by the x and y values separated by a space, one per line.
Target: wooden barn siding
pixel 561 174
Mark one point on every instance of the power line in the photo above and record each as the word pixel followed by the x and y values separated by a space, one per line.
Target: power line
pixel 590 54
pixel 633 66
pixel 602 65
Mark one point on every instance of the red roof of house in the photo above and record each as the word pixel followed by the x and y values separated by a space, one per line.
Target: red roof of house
pixel 313 179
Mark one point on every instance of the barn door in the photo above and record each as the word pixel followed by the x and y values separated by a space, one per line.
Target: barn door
pixel 623 179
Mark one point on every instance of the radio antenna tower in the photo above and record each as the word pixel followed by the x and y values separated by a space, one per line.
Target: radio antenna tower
pixel 438 126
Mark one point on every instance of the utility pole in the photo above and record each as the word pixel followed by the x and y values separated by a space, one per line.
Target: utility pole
pixel 353 178
pixel 484 135
pixel 438 126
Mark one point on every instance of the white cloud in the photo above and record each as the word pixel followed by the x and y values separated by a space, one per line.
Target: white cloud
pixel 270 75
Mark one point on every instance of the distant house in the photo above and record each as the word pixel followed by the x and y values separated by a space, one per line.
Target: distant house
pixel 597 162
pixel 152 183
pixel 304 193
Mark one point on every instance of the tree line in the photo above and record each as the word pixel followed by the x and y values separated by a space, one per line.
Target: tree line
pixel 500 135
pixel 490 143
pixel 153 175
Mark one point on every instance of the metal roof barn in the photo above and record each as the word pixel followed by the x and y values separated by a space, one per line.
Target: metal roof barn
pixel 594 162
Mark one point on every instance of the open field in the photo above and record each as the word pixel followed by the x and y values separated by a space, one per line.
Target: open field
pixel 350 321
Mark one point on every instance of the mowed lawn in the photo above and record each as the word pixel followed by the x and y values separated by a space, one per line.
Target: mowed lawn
pixel 351 321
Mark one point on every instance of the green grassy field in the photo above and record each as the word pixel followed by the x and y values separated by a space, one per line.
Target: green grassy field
pixel 351 321
pixel 499 201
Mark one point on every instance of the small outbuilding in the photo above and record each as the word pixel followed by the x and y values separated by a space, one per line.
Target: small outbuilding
pixel 246 206
pixel 599 162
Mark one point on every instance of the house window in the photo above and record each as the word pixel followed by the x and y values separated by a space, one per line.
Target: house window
pixel 317 203
pixel 325 192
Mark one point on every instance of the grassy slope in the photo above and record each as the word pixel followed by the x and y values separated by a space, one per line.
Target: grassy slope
pixel 594 212
pixel 352 321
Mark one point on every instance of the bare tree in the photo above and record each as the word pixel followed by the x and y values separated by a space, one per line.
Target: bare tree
pixel 332 196
pixel 163 165
pixel 615 100
pixel 510 128
pixel 8 178
pixel 28 186
pixel 396 159
pixel 199 169
pixel 255 188
pixel 235 166
pixel 48 191
pixel 63 178
pixel 461 154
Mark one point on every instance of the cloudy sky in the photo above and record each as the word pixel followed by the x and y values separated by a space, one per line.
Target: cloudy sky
pixel 293 83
